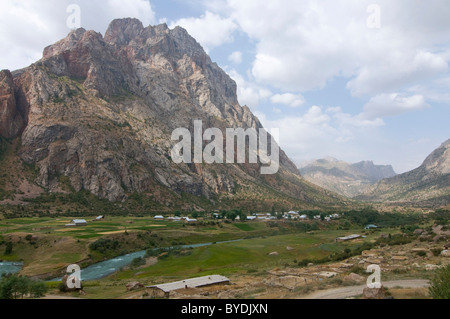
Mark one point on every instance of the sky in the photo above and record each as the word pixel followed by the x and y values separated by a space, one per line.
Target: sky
pixel 351 79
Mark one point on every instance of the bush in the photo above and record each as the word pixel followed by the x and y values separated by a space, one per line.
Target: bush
pixel 440 284
pixel 104 245
pixel 14 287
pixel 8 248
pixel 137 262
pixel 436 251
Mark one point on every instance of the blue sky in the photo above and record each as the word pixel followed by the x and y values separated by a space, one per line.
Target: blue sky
pixel 352 79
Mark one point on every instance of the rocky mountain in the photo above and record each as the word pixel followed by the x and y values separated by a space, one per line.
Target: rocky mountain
pixel 427 185
pixel 96 114
pixel 344 178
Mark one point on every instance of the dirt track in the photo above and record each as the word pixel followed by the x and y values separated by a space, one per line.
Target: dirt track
pixel 351 291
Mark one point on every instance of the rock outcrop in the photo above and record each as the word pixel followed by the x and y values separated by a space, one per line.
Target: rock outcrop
pixel 12 121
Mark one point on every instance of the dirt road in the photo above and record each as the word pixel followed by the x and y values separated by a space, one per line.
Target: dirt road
pixel 351 291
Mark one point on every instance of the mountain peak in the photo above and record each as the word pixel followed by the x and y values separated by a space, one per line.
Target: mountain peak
pixel 100 111
pixel 439 160
pixel 122 31
pixel 344 178
pixel 426 185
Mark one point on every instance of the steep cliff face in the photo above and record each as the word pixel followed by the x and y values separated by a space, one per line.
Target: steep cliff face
pixel 100 111
pixel 12 119
pixel 429 184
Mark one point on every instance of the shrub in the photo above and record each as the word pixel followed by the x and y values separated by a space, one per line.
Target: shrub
pixel 8 248
pixel 14 287
pixel 440 284
pixel 137 262
pixel 421 253
pixel 103 245
pixel 436 251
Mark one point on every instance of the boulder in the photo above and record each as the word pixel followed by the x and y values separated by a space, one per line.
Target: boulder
pixel 445 253
pixel 375 293
pixel 354 278
pixel 400 258
pixel 66 287
pixel 274 253
pixel 327 274
pixel 134 286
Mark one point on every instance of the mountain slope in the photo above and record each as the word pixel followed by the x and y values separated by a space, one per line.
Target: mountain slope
pixel 427 185
pixel 344 178
pixel 96 114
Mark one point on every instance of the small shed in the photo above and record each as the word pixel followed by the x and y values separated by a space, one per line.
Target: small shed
pixel 77 222
pixel 164 290
pixel 350 237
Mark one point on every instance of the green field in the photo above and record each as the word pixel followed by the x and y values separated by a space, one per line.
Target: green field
pixel 46 246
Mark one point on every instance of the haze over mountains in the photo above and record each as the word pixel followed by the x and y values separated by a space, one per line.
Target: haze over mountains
pixel 344 178
pixel 96 114
pixel 427 185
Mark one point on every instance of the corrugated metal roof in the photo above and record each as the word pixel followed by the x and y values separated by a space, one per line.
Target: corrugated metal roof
pixel 79 221
pixel 349 237
pixel 192 283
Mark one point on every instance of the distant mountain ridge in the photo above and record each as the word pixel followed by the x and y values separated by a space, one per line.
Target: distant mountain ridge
pixel 427 185
pixel 344 178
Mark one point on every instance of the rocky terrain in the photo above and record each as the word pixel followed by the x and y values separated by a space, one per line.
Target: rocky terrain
pixel 96 113
pixel 400 266
pixel 427 185
pixel 344 178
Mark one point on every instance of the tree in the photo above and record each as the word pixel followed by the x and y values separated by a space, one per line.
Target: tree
pixel 14 287
pixel 8 249
pixel 440 284
pixel 231 215
pixel 242 216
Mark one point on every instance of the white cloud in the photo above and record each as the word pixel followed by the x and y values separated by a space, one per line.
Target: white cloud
pixel 28 26
pixel 436 91
pixel 248 93
pixel 308 43
pixel 210 30
pixel 293 100
pixel 320 132
pixel 235 57
pixel 385 105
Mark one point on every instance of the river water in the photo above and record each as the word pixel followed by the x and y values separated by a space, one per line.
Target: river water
pixel 110 266
pixel 8 267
